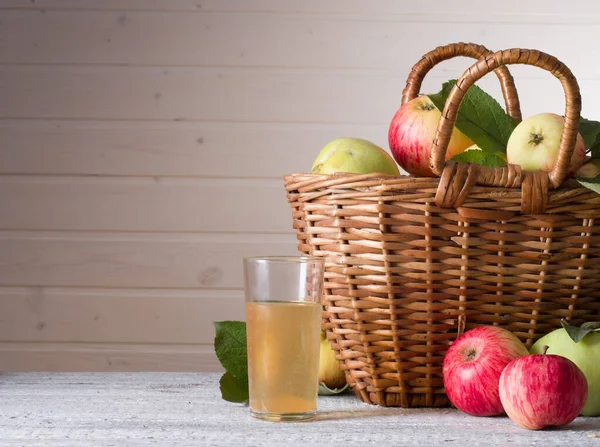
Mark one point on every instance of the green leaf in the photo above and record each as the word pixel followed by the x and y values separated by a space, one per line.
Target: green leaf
pixel 232 351
pixel 592 326
pixel 324 390
pixel 231 348
pixel 577 333
pixel 590 131
pixel 591 184
pixel 480 117
pixel 232 389
pixel 494 160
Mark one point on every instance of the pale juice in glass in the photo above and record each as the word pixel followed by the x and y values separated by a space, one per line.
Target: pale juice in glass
pixel 283 355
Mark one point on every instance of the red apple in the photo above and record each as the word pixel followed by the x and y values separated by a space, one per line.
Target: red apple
pixel 472 368
pixel 542 390
pixel 411 135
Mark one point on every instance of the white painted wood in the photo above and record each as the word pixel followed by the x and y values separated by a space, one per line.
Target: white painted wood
pixel 144 204
pixel 47 314
pixel 176 409
pixel 372 40
pixel 121 357
pixel 430 8
pixel 151 148
pixel 156 260
pixel 142 145
pixel 238 94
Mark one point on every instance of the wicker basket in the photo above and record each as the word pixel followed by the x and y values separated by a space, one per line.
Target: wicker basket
pixel 412 262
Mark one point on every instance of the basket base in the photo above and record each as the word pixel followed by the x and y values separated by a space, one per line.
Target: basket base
pixel 387 399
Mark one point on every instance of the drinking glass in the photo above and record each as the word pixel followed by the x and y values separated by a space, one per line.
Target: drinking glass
pixel 283 324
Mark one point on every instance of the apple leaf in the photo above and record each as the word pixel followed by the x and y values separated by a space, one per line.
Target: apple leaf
pixel 578 333
pixel 591 325
pixel 231 350
pixel 495 160
pixel 232 389
pixel 480 117
pixel 592 184
pixel 324 390
pixel 590 131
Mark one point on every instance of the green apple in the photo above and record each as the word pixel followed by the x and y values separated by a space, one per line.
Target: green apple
pixel 584 353
pixel 353 155
pixel 534 144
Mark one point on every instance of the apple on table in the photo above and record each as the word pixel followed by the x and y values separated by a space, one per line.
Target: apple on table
pixel 541 390
pixel 332 379
pixel 472 367
pixel 583 349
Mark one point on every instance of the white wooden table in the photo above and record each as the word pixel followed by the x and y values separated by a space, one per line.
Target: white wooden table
pixel 123 409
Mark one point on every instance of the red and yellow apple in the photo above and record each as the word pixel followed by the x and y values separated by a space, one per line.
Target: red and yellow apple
pixel 411 135
pixel 472 367
pixel 534 144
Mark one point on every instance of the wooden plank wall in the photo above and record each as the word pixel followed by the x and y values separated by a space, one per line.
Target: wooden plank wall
pixel 142 145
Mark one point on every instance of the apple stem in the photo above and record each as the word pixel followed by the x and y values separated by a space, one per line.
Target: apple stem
pixel 545 349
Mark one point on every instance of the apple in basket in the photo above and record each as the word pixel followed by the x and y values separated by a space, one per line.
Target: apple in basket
pixel 472 367
pixel 534 144
pixel 542 390
pixel 353 155
pixel 411 135
pixel 581 345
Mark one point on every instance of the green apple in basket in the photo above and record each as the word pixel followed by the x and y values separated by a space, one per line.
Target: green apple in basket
pixel 353 155
pixel 581 345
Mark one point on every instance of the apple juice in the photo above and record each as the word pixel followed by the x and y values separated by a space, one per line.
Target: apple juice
pixel 283 356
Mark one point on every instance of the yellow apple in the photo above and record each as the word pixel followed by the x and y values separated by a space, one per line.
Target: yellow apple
pixel 534 144
pixel 330 373
pixel 353 155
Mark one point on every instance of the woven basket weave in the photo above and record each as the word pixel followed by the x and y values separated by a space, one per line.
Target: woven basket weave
pixel 412 262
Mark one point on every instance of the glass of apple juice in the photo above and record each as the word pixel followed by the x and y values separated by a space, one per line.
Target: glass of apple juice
pixel 283 325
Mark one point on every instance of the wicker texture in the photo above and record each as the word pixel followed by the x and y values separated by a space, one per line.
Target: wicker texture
pixel 412 262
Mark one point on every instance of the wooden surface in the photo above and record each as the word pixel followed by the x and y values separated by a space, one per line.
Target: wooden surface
pixel 164 409
pixel 143 144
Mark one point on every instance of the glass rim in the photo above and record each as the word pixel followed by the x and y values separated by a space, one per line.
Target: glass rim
pixel 297 259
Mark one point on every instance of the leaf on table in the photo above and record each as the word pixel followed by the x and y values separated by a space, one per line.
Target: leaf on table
pixel 232 351
pixel 324 390
pixel 491 160
pixel 480 117
pixel 231 347
pixel 232 389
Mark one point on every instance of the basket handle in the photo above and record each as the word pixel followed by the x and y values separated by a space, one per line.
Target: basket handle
pixel 534 185
pixel 442 53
